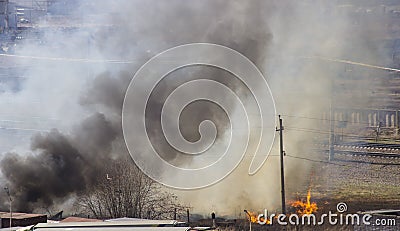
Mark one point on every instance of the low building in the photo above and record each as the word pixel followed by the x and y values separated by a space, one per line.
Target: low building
pixel 120 224
pixel 21 219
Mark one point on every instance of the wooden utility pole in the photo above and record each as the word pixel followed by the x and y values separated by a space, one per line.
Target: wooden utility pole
pixel 188 217
pixel 9 197
pixel 282 152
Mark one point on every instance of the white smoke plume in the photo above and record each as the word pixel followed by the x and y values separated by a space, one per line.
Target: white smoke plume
pixel 78 84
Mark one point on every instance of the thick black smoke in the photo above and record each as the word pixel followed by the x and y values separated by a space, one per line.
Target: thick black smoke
pixel 62 165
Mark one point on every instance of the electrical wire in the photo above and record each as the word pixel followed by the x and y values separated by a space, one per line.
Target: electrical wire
pixel 324 132
pixel 350 62
pixel 322 119
pixel 337 164
pixel 68 59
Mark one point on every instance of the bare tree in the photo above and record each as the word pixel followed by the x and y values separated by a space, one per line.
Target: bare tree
pixel 125 191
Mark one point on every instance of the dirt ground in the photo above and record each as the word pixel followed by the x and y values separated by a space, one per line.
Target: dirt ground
pixel 363 183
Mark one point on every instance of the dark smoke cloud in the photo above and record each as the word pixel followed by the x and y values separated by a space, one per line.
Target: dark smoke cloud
pixel 107 92
pixel 63 164
pixel 60 164
pixel 54 172
pixel 237 25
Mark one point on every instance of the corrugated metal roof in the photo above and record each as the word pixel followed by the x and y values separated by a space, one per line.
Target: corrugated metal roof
pixel 111 225
pixel 80 219
pixel 143 221
pixel 20 215
pixel 118 228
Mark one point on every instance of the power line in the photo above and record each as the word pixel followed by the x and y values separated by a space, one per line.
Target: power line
pixel 350 62
pixel 68 59
pixel 325 132
pixel 23 129
pixel 322 119
pixel 337 164
pixel 318 161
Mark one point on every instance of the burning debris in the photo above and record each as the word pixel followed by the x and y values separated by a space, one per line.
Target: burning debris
pixel 253 217
pixel 306 207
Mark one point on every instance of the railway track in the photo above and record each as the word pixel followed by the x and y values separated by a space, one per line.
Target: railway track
pixel 365 149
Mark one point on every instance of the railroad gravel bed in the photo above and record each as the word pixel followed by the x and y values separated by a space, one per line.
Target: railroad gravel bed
pixel 363 182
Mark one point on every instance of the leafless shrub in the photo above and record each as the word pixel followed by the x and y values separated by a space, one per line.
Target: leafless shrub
pixel 126 192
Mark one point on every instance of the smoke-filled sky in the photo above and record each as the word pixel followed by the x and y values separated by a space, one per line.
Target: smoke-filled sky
pixel 64 121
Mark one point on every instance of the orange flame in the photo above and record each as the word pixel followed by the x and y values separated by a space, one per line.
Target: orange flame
pixel 305 207
pixel 253 218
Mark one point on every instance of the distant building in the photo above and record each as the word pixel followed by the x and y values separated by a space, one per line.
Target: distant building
pixel 8 16
pixel 21 219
